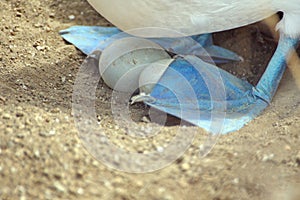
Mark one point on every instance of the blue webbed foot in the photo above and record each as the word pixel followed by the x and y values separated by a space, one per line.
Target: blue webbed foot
pixel 88 38
pixel 217 53
pixel 209 97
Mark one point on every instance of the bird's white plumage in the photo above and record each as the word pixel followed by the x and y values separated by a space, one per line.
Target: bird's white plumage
pixel 191 17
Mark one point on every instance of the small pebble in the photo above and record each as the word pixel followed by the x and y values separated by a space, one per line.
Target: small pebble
pixel 21 189
pixel 267 157
pixel 185 166
pixel 108 185
pixel 80 191
pixel 160 149
pixel 23 197
pixel 37 153
pixel 1 97
pixel 59 187
pixel 63 79
pixel 13 170
pixel 48 134
pixel 287 147
pixel 161 190
pixel 236 181
pixel 71 17
pixel 6 116
pixel 18 14
pixel 9 130
pixel 52 15
pixel 145 119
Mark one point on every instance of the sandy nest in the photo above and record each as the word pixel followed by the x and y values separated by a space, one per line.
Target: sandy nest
pixel 42 157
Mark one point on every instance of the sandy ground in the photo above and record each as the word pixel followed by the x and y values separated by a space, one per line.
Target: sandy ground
pixel 41 156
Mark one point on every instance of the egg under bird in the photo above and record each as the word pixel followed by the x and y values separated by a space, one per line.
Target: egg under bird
pixel 192 17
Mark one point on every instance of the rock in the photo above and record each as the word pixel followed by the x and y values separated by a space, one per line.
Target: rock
pixel 287 148
pixel 37 154
pixel 145 119
pixel 6 116
pixel 118 181
pixel 161 190
pixel 48 134
pixel 52 15
pixel 23 197
pixel 80 191
pixel 236 181
pixel 18 14
pixel 160 149
pixel 267 157
pixel 59 187
pixel 71 17
pixel 185 166
pixel 9 130
pixel 108 184
pixel 21 135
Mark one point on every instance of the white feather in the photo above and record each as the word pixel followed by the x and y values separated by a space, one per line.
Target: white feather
pixel 191 17
pixel 290 23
